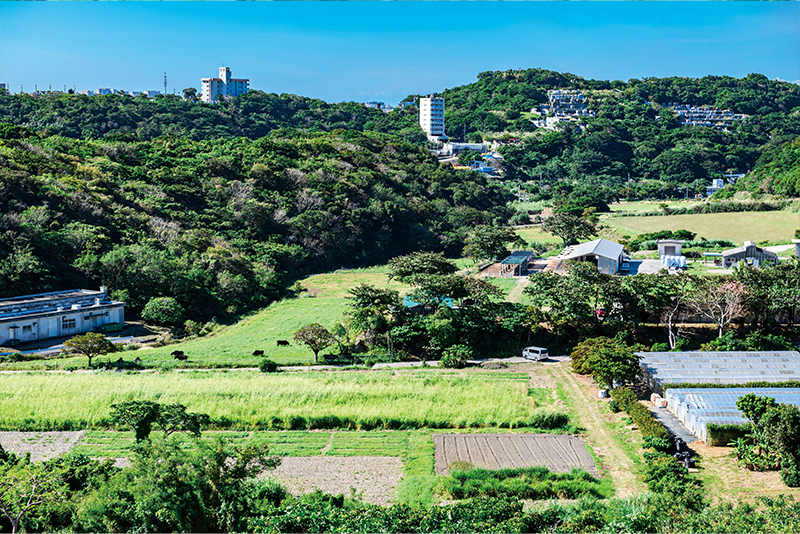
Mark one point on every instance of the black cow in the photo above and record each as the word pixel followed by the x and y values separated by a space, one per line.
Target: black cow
pixel 282 343
pixel 179 355
pixel 258 353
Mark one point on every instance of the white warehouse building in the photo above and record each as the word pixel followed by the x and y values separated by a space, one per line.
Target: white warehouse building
pixel 224 85
pixel 57 314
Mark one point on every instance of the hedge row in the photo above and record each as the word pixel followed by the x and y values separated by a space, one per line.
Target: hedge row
pixel 722 435
pixel 627 400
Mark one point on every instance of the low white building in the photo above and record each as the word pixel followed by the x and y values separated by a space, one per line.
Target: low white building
pixel 224 85
pixel 57 314
pixel 453 148
pixel 605 254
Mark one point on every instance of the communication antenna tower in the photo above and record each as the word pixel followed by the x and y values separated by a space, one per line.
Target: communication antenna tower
pixel 165 82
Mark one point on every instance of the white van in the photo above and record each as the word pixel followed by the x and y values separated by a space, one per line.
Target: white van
pixel 534 353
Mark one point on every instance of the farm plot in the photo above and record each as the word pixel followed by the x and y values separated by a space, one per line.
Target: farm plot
pixel 558 453
pixel 374 478
pixel 41 445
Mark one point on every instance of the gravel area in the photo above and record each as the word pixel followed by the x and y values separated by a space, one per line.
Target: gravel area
pixel 41 445
pixel 374 477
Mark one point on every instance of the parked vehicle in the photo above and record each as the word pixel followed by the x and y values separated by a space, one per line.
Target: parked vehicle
pixel 534 353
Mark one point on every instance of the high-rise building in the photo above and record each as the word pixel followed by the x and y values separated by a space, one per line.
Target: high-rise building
pixel 224 85
pixel 431 117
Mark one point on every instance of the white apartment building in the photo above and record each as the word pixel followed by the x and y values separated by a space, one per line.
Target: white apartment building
pixel 224 85
pixel 431 117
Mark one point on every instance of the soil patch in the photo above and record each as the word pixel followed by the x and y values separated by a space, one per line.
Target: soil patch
pixel 373 477
pixel 558 453
pixel 41 445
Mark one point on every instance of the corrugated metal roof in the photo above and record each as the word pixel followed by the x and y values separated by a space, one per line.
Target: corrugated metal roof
pixel 598 247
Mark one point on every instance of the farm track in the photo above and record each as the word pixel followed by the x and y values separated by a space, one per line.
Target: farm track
pixel 516 293
pixel 613 459
pixel 497 451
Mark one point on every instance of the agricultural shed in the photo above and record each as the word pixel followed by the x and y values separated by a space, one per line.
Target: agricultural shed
pixel 750 254
pixel 605 254
pixel 722 368
pixel 516 264
pixel 697 407
pixel 670 247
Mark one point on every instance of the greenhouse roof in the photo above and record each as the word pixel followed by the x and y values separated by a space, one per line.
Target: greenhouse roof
pixel 697 407
pixel 721 368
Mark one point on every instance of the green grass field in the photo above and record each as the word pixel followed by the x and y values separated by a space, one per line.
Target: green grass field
pixel 650 205
pixel 737 227
pixel 233 346
pixel 249 400
pixel 534 233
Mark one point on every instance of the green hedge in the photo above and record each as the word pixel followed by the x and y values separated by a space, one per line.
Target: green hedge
pixel 722 435
pixel 649 426
pixel 522 483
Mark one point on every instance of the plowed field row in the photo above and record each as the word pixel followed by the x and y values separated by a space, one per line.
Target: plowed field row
pixel 495 451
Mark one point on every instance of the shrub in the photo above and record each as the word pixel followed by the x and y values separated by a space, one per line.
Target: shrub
pixel 455 357
pixel 163 311
pixel 268 366
pixel 640 415
pixel 659 444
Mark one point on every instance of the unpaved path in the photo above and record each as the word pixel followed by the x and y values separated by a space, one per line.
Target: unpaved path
pixel 516 293
pixel 613 459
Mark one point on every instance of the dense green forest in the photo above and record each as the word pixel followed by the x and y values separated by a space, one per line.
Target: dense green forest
pixel 252 115
pixel 228 202
pixel 222 224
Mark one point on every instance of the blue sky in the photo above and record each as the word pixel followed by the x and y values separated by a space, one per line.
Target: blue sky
pixel 386 50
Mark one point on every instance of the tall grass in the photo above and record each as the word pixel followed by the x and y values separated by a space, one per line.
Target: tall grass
pixel 251 400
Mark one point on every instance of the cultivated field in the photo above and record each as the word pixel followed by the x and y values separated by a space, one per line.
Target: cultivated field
pixel 496 451
pixel 286 401
pixel 774 226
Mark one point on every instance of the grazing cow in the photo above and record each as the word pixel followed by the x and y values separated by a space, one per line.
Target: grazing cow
pixel 137 361
pixel 258 353
pixel 120 361
pixel 179 355
pixel 283 343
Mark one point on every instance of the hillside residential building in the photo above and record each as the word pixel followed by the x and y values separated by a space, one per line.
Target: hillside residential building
pixel 62 313
pixel 431 117
pixel 690 115
pixel 224 85
pixel 565 105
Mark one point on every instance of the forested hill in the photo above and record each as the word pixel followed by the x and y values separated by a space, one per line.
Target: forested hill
pixel 633 147
pixel 222 224
pixel 500 99
pixel 252 115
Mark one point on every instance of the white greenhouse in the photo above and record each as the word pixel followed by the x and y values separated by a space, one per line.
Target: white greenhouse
pixel 719 368
pixel 697 407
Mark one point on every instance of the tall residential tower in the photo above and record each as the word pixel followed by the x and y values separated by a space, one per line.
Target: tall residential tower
pixel 431 117
pixel 224 85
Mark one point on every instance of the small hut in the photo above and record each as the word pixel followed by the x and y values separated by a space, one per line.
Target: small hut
pixel 750 254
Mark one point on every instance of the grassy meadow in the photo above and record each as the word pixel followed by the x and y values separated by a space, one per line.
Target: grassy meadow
pixel 322 301
pixel 248 400
pixel 775 226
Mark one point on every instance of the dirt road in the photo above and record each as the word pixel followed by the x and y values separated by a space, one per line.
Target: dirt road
pixel 611 456
pixel 516 293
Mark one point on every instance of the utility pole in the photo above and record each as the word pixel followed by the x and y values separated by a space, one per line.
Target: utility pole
pixel 165 83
